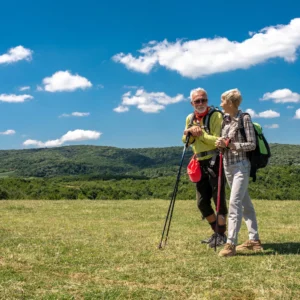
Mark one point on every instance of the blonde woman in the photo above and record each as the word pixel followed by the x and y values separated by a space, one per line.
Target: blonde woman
pixel 237 172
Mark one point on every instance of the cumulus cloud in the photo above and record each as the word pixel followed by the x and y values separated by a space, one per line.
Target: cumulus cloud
pixel 8 132
pixel 76 114
pixel 64 81
pixel 24 88
pixel 12 98
pixel 147 102
pixel 121 109
pixel 265 114
pixel 269 114
pixel 70 136
pixel 197 58
pixel 297 114
pixel 282 96
pixel 290 106
pixel 16 54
pixel 273 126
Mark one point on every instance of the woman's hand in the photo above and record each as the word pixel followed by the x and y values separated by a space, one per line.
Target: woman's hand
pixel 225 143
pixel 220 143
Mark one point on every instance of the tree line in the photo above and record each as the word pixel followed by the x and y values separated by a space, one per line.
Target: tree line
pixel 273 183
pixel 95 172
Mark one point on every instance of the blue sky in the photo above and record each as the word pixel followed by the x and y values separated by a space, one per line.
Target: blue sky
pixel 119 73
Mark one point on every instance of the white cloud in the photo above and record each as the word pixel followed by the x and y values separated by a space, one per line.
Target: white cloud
pixel 127 94
pixel 70 136
pixel 290 106
pixel 121 109
pixel 269 114
pixel 8 132
pixel 100 86
pixel 196 58
pixel 133 87
pixel 12 98
pixel 76 114
pixel 282 96
pixel 273 126
pixel 39 88
pixel 147 102
pixel 297 114
pixel 80 114
pixel 24 88
pixel 251 112
pixel 16 54
pixel 64 81
pixel 265 114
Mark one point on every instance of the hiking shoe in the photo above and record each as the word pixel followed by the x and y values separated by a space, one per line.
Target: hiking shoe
pixel 218 240
pixel 228 250
pixel 250 245
pixel 208 240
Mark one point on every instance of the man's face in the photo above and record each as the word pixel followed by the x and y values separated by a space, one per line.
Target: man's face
pixel 199 101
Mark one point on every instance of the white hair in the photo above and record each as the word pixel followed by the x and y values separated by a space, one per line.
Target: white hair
pixel 197 90
pixel 234 96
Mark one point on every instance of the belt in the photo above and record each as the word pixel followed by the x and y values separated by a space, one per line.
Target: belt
pixel 205 153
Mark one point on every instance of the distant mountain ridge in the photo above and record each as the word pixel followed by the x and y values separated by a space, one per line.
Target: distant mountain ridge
pixel 112 161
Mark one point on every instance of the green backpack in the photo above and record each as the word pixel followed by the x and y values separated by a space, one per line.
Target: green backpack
pixel 259 157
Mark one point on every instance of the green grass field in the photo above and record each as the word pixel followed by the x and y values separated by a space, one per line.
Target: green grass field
pixel 108 250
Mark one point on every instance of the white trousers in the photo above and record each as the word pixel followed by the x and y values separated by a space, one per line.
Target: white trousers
pixel 240 204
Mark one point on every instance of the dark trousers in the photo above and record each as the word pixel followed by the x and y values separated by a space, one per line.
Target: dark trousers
pixel 207 188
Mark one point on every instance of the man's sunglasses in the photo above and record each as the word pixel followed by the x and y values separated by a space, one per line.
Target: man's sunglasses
pixel 198 101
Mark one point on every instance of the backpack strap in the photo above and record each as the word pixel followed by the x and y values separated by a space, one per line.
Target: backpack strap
pixel 206 120
pixel 249 154
pixel 206 127
pixel 192 117
pixel 242 125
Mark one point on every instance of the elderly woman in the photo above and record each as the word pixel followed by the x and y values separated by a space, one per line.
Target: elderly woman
pixel 237 171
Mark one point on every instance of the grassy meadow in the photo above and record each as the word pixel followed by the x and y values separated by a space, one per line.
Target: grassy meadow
pixel 108 250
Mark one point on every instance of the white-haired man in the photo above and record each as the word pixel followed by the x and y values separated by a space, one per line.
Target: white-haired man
pixel 205 128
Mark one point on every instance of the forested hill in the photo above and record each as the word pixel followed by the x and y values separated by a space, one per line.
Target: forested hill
pixel 112 162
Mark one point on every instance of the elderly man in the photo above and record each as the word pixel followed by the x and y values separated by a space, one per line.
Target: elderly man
pixel 204 126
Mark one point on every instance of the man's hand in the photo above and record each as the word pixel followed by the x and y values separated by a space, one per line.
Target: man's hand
pixel 194 131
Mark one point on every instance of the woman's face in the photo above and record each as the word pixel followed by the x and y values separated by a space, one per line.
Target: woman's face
pixel 225 104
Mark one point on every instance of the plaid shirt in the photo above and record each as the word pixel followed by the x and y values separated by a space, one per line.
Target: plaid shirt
pixel 230 129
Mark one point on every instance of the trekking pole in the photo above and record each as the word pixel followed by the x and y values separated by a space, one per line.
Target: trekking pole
pixel 172 202
pixel 218 197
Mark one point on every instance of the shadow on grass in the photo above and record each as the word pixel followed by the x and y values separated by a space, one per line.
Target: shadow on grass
pixel 276 248
pixel 283 248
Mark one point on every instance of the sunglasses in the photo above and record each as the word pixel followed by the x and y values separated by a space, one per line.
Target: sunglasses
pixel 198 101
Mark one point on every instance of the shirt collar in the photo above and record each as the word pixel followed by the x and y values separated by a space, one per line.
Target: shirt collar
pixel 227 118
pixel 237 116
